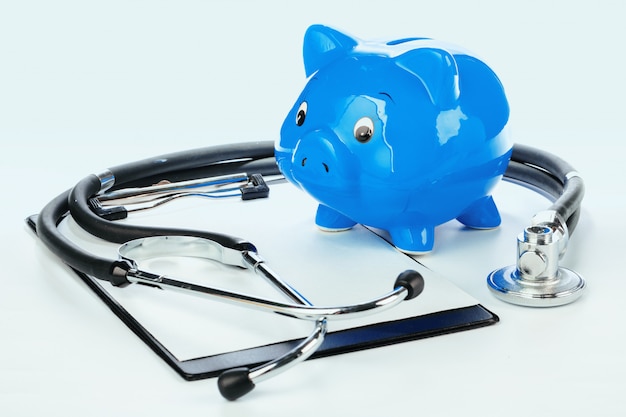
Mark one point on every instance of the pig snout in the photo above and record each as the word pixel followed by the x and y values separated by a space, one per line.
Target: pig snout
pixel 323 160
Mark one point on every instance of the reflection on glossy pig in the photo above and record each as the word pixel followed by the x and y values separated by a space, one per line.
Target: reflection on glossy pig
pixel 400 136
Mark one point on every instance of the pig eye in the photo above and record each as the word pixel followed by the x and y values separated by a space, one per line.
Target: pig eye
pixel 364 129
pixel 301 114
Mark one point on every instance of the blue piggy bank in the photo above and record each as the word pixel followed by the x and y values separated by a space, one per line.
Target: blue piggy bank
pixel 401 136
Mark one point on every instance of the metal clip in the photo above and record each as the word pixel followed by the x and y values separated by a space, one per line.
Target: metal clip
pixel 117 204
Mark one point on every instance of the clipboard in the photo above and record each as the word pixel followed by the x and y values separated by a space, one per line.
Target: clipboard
pixel 200 339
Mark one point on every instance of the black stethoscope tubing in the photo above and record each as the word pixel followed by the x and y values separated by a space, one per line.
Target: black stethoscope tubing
pixel 529 166
pixel 185 164
pixel 551 175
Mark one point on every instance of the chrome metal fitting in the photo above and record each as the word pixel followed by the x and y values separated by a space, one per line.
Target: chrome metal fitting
pixel 107 180
pixel 555 222
pixel 536 254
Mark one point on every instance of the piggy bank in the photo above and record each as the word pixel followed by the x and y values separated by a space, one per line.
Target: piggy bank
pixel 399 136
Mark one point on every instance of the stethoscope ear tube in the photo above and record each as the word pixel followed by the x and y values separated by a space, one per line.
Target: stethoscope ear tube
pixel 188 162
pixel 114 232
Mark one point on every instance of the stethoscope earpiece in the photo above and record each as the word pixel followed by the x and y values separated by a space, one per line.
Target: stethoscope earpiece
pixel 235 383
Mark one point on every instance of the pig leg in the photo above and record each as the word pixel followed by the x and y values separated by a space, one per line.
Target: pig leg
pixel 332 221
pixel 414 241
pixel 482 214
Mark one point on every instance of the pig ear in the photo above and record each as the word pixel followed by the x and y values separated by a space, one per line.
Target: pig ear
pixel 437 70
pixel 323 45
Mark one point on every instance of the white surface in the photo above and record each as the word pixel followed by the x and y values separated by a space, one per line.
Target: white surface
pixel 86 85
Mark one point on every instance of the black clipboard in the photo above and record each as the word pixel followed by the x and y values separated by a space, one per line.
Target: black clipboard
pixel 284 212
pixel 335 343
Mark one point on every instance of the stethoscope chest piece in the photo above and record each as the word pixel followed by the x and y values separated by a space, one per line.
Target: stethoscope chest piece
pixel 509 285
pixel 537 280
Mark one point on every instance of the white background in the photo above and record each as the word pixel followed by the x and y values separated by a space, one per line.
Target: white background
pixel 86 85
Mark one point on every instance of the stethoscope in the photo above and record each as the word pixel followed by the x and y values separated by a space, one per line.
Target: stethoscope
pixel 98 200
